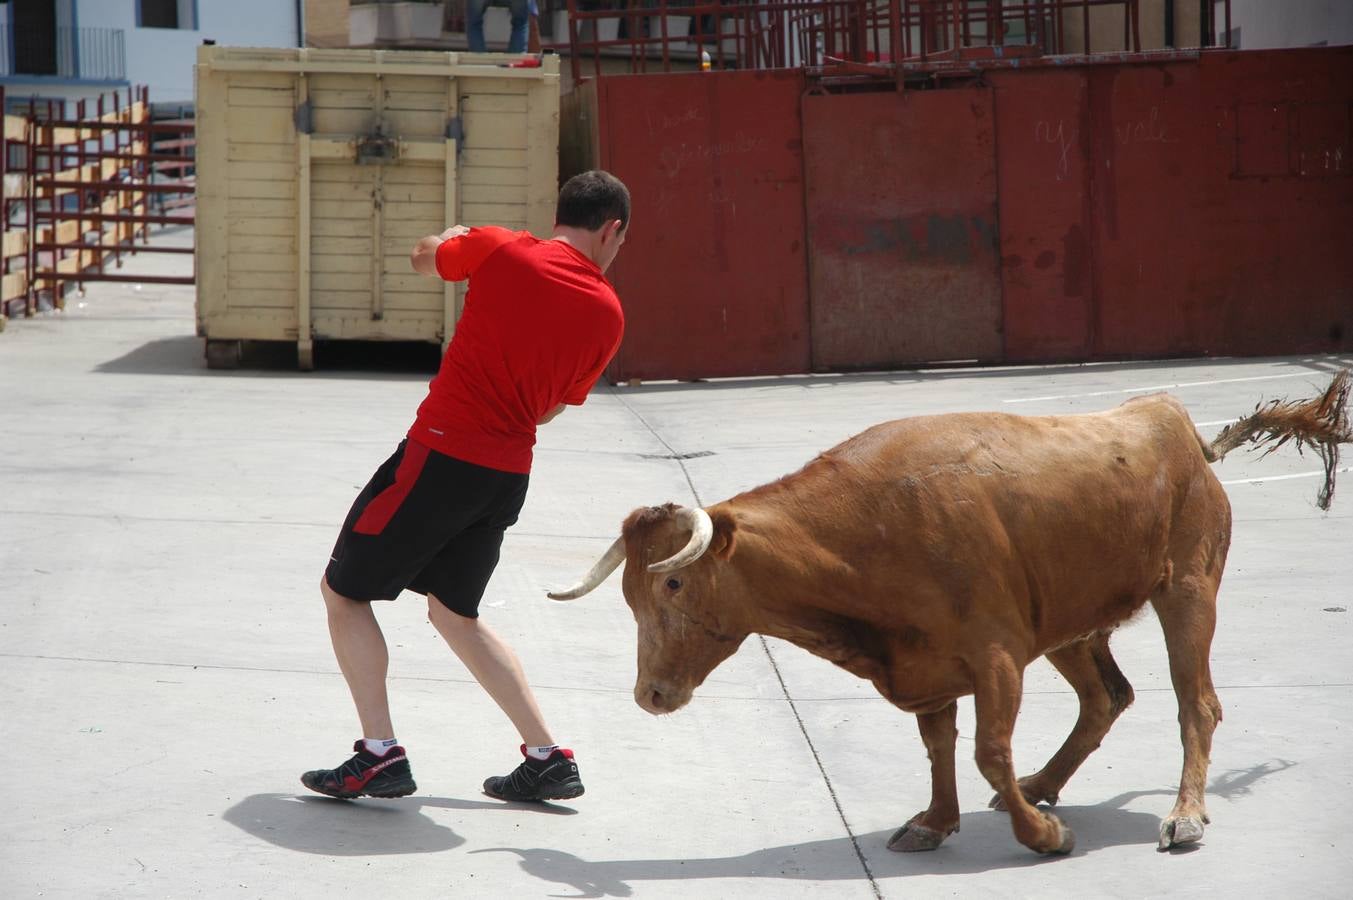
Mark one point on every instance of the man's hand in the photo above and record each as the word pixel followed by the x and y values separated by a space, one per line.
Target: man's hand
pixel 424 255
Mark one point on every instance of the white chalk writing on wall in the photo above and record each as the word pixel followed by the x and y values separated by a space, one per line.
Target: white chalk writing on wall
pixel 1046 133
pixel 674 159
pixel 1149 129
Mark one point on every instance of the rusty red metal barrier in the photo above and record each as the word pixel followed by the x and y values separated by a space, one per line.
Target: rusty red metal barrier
pixel 904 257
pixel 1160 205
pixel 716 263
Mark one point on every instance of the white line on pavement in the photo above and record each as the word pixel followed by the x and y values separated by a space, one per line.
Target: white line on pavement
pixel 1285 477
pixel 1164 387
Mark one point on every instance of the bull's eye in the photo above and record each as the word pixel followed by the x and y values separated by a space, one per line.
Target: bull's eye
pixel 674 584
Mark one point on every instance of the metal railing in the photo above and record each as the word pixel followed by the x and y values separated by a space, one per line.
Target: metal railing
pixel 659 35
pixel 95 175
pixel 94 54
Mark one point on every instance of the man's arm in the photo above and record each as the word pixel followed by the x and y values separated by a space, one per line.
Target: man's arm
pixel 551 414
pixel 424 255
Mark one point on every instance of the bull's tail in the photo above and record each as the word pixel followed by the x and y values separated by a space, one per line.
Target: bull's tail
pixel 1320 423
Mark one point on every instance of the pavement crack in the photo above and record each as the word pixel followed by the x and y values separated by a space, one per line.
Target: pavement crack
pixel 831 789
pixel 680 458
pixel 145 762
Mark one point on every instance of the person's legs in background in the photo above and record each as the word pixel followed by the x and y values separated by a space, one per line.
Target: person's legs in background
pixel 520 11
pixel 474 24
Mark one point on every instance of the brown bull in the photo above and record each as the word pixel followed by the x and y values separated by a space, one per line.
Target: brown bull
pixel 938 556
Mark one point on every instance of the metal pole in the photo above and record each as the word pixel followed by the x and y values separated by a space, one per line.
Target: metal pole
pixel 662 20
pixel 895 40
pixel 574 64
pixel 82 200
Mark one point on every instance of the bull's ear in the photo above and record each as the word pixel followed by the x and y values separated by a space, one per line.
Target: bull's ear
pixel 725 534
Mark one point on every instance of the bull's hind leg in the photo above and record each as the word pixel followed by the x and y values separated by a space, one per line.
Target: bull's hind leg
pixel 1188 615
pixel 927 829
pixel 999 682
pixel 1104 693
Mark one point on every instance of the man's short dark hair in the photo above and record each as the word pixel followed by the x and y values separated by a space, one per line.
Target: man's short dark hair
pixel 592 199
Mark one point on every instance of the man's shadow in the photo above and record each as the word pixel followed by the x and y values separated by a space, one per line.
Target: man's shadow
pixel 329 827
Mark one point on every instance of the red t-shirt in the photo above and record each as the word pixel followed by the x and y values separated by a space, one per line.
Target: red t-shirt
pixel 539 326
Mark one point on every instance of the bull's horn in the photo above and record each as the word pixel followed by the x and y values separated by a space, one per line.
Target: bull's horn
pixel 609 562
pixel 702 532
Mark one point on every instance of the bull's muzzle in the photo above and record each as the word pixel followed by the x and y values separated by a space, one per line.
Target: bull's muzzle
pixel 659 699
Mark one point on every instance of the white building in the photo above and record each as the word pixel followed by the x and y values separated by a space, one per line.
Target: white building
pixel 81 48
pixel 1264 24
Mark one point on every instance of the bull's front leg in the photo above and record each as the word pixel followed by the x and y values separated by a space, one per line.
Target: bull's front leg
pixel 999 682
pixel 927 829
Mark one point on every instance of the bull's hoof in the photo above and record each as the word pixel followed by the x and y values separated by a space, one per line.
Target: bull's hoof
pixel 1179 830
pixel 1067 838
pixel 913 837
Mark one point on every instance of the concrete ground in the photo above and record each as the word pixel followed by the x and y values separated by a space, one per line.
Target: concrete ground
pixel 165 672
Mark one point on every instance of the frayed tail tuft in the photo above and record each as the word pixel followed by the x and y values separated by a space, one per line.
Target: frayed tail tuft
pixel 1320 424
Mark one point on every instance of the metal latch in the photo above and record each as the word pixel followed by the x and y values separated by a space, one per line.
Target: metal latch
pixel 376 147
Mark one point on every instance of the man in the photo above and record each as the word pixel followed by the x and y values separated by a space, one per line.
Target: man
pixel 540 324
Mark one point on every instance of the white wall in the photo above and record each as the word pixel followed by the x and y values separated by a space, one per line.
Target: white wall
pixel 163 58
pixel 1265 24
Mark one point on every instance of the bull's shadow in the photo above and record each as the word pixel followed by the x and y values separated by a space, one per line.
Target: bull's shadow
pixel 312 824
pixel 984 843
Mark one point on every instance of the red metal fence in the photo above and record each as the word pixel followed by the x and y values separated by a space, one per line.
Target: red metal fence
pixel 882 35
pixel 90 172
pixel 15 191
pixel 1158 207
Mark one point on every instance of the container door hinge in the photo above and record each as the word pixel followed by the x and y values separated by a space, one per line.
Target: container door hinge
pixel 304 117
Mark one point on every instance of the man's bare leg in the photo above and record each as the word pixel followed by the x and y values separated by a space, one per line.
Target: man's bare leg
pixel 495 667
pixel 360 648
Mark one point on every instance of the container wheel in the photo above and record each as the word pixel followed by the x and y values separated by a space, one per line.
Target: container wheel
pixel 224 354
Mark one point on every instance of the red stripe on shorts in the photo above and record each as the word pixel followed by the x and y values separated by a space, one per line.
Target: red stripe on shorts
pixel 384 505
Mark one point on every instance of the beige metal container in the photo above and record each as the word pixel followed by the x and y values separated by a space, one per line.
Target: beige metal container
pixel 319 169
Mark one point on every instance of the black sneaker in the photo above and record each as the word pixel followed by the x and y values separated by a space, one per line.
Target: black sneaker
pixel 365 775
pixel 555 778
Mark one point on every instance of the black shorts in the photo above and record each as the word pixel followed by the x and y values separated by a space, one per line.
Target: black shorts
pixel 428 523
